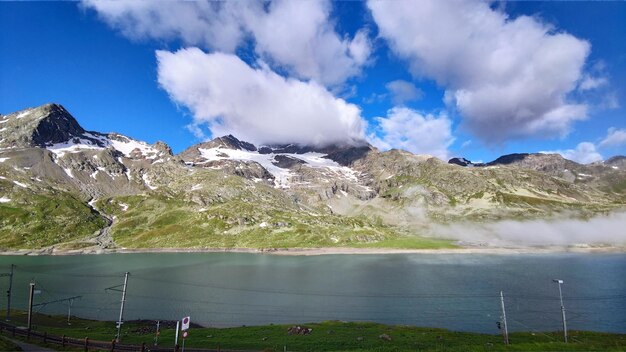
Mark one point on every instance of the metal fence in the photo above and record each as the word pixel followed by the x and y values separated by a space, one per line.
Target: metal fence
pixel 88 344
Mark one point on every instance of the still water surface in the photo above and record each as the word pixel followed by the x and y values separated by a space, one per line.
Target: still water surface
pixel 459 292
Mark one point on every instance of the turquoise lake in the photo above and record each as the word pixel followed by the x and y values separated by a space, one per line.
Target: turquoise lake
pixel 458 292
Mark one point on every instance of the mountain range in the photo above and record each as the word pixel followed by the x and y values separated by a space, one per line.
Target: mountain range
pixel 65 188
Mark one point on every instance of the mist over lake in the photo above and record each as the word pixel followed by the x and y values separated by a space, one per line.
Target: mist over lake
pixel 454 291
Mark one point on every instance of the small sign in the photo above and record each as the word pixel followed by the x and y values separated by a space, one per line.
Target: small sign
pixel 185 334
pixel 185 325
pixel 37 292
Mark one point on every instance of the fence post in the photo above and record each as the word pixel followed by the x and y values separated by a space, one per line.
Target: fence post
pixel 86 344
pixel 63 341
pixel 112 345
pixel 13 331
pixel 143 347
pixel 28 335
pixel 176 348
pixel 45 336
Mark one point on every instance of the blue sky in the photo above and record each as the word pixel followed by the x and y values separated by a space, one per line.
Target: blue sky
pixel 481 80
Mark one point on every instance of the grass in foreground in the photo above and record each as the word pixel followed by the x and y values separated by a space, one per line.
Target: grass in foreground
pixel 330 336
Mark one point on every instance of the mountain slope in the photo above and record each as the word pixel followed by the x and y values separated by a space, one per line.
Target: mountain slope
pixel 230 193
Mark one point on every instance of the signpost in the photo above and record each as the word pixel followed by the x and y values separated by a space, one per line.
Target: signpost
pixel 184 327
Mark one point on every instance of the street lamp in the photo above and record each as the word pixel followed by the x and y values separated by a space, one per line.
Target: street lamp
pixel 562 308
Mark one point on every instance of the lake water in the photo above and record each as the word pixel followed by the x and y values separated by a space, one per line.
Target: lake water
pixel 459 292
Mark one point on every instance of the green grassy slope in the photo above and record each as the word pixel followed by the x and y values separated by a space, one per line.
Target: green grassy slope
pixel 32 220
pixel 157 221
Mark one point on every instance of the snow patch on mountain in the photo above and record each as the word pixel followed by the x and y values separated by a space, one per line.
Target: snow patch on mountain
pixel 282 176
pixel 129 147
pixel 146 180
pixel 23 185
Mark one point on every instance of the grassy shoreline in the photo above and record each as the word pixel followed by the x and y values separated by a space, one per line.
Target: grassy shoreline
pixel 309 251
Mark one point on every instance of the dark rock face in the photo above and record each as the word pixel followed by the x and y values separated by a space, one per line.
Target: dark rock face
pixel 247 169
pixel 347 156
pixel 464 162
pixel 460 161
pixel 509 159
pixel 232 142
pixel 57 127
pixel 287 162
pixel 285 149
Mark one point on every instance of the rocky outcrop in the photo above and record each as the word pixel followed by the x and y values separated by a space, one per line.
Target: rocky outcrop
pixel 287 162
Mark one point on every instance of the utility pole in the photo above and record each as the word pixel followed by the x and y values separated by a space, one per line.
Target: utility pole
pixel 120 321
pixel 562 309
pixel 506 330
pixel 158 332
pixel 10 275
pixel 31 292
pixel 177 329
pixel 69 310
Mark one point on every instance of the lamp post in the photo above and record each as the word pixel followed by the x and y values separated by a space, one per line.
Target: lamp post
pixel 562 308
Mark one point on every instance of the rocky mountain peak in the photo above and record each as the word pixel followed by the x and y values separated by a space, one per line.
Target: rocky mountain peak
pixel 163 148
pixel 231 142
pixel 618 160
pixel 39 127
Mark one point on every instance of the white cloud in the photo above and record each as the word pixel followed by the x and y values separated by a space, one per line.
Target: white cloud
pixel 614 137
pixel 509 78
pixel 584 153
pixel 403 91
pixel 409 130
pixel 588 82
pixel 256 104
pixel 299 35
pixel 296 36
pixel 213 25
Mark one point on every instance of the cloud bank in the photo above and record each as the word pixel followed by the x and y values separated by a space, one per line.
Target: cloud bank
pixel 598 230
pixel 508 78
pixel 407 129
pixel 296 36
pixel 256 104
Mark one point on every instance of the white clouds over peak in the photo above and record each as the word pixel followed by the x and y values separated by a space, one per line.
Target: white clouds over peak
pixel 508 78
pixel 297 36
pixel 256 104
pixel 407 129
pixel 584 153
